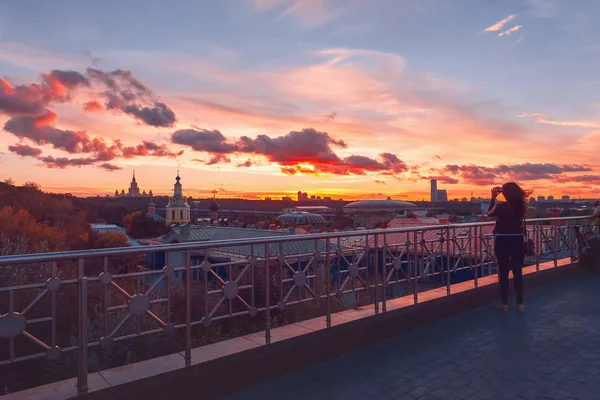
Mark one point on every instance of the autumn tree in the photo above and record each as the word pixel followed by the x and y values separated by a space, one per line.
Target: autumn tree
pixel 26 235
pixel 140 225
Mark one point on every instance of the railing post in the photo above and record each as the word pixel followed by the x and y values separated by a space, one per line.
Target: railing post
pixel 82 367
pixel 376 267
pixel 415 267
pixel 555 244
pixel 188 309
pixel 474 252
pixel 384 256
pixel 267 296
pixel 328 281
pixel 537 246
pixel 448 285
pixel 571 232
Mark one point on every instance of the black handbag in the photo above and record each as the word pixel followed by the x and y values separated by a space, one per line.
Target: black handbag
pixel 529 247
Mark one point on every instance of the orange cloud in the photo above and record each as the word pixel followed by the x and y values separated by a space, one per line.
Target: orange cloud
pixel 542 119
pixel 511 30
pixel 6 87
pixel 500 24
pixel 93 106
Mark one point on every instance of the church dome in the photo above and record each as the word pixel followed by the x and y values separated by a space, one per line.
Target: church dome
pixel 301 218
pixel 214 206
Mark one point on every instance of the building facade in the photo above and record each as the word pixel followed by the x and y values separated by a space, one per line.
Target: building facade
pixel 434 191
pixel 178 209
pixel 133 191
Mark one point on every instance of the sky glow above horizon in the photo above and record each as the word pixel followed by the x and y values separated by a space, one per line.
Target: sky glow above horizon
pixel 261 98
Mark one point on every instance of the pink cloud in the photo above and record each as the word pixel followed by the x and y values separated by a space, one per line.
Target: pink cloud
pixel 500 24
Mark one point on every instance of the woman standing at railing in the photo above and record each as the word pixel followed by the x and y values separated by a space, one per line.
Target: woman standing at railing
pixel 510 235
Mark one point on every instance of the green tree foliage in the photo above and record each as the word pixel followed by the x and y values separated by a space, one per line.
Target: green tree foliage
pixel 139 225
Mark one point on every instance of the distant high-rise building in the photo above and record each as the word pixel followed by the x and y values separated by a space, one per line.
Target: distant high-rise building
pixel 312 197
pixel 541 199
pixel 442 196
pixel 299 195
pixel 550 198
pixel 304 196
pixel 566 198
pixel 133 191
pixel 434 191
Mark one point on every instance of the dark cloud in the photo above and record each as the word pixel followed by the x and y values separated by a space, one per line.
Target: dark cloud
pixel 64 162
pixel 204 140
pixel 30 116
pixel 480 175
pixel 474 174
pixel 442 179
pixel 576 168
pixel 110 167
pixel 21 100
pixel 580 178
pixel 218 159
pixel 332 116
pixel 393 163
pixel 246 164
pixel 41 131
pixel 24 150
pixel 120 90
pixel 307 145
pixel 378 181
pixel 61 82
pixel 148 148
pixel 124 93
pixel 159 115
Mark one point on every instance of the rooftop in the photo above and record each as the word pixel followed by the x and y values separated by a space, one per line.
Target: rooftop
pixel 551 352
pixel 379 203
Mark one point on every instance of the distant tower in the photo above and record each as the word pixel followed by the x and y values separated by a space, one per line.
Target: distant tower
pixel 178 210
pixel 116 192
pixel 214 207
pixel 134 191
pixel 150 193
pixel 434 191
pixel 299 196
pixel 151 207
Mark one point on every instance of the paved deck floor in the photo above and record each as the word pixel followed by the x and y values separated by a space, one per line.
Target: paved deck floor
pixel 550 352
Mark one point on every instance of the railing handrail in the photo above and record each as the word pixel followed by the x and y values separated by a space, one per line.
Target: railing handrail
pixel 201 245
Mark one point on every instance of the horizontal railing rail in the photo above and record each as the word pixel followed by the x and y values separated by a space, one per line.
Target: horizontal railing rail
pixel 116 295
pixel 72 255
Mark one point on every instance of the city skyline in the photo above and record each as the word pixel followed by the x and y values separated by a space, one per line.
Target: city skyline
pixel 262 98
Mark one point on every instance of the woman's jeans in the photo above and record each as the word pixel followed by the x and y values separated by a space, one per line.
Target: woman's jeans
pixel 510 252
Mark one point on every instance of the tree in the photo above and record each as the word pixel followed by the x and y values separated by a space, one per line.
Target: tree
pixel 26 235
pixel 106 240
pixel 140 226
pixel 33 185
pixel 9 181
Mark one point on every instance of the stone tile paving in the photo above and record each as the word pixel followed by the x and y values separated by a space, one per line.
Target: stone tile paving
pixel 550 352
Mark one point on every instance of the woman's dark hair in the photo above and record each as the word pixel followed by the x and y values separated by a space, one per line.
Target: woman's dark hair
pixel 516 197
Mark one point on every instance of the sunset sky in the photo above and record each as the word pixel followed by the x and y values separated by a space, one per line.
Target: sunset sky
pixel 343 98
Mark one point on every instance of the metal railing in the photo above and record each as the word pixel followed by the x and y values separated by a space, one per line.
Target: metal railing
pixel 180 289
